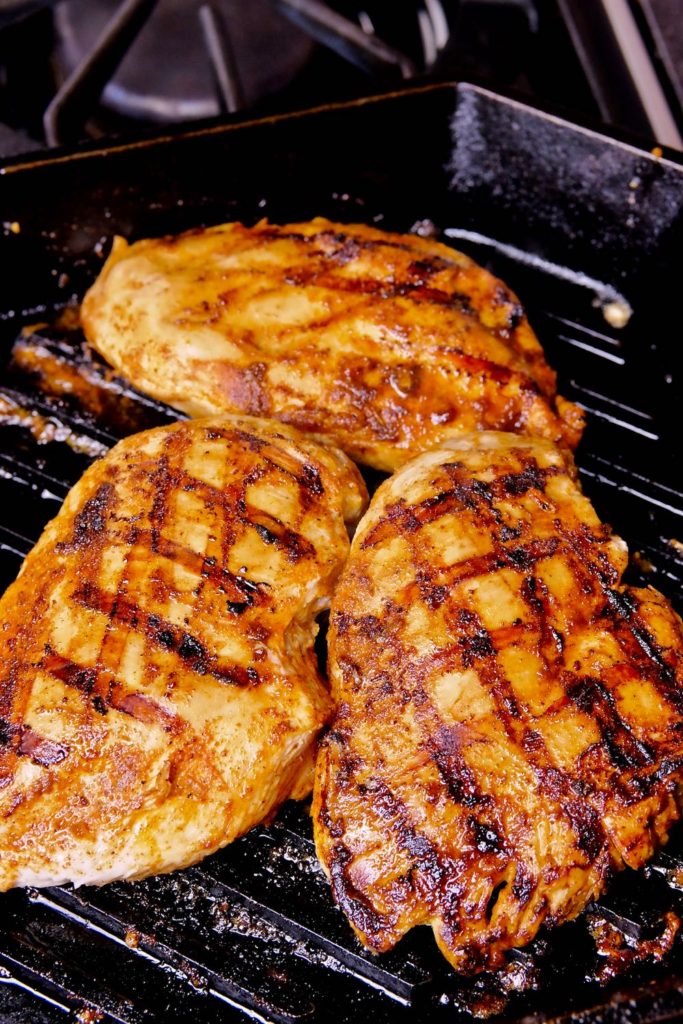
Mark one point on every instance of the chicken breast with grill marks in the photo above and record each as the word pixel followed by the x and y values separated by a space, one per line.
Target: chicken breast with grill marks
pixel 510 716
pixel 382 342
pixel 159 691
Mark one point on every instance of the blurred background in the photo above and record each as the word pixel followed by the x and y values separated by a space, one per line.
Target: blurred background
pixel 82 69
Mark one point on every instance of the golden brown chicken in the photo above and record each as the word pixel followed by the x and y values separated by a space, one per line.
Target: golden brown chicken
pixel 159 691
pixel 509 724
pixel 382 342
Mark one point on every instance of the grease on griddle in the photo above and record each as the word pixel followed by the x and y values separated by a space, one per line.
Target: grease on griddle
pixel 47 428
pixel 620 952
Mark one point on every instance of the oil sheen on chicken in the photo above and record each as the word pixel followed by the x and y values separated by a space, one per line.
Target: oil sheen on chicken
pixel 382 342
pixel 159 691
pixel 510 716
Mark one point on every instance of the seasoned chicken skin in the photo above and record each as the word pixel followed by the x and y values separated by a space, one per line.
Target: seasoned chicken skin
pixel 382 342
pixel 159 691
pixel 509 724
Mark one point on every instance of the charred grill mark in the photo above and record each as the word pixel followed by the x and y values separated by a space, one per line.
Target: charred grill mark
pixel 114 641
pixel 474 495
pixel 162 482
pixel 8 695
pixel 524 885
pixel 474 641
pixel 90 523
pixel 486 837
pixel 500 376
pixel 474 645
pixel 164 634
pixel 8 747
pixel 7 732
pixel 552 780
pixel 587 827
pixel 107 692
pixel 306 475
pixel 165 479
pixel 585 822
pixel 426 267
pixel 23 741
pixel 341 249
pixel 345 251
pixel 591 696
pixel 338 239
pixel 15 681
pixel 641 647
pixel 70 673
pixel 354 903
pixel 592 566
pixel 308 478
pixel 382 288
pixel 519 483
pixel 435 879
pixel 445 749
pixel 272 530
pixel 624 750
pixel 144 709
pixel 41 751
pixel 236 588
pixel 637 643
pixel 535 595
pixel 667 767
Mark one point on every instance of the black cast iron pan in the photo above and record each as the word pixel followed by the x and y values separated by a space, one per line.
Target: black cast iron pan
pixel 588 231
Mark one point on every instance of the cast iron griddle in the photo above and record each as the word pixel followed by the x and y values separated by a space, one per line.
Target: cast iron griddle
pixel 573 221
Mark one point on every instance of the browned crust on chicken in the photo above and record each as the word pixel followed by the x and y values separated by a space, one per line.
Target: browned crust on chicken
pixel 159 692
pixel 383 342
pixel 509 727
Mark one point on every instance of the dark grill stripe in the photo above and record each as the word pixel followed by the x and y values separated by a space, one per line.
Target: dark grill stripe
pixel 518 558
pixel 273 233
pixel 623 749
pixel 474 495
pixel 474 643
pixel 340 248
pixel 593 698
pixel 39 749
pixel 639 646
pixel 107 691
pixel 15 688
pixel 272 530
pixel 164 635
pixel 305 474
pixel 234 504
pixel 235 588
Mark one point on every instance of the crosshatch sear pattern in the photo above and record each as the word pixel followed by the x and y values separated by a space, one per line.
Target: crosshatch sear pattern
pixel 384 342
pixel 508 729
pixel 160 691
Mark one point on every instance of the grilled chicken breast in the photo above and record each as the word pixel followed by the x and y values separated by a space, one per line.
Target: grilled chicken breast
pixel 159 693
pixel 381 342
pixel 509 724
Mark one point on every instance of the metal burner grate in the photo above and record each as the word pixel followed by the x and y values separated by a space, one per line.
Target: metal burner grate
pixel 253 932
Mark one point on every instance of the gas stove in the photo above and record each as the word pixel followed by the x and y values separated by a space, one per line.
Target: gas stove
pixel 104 68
